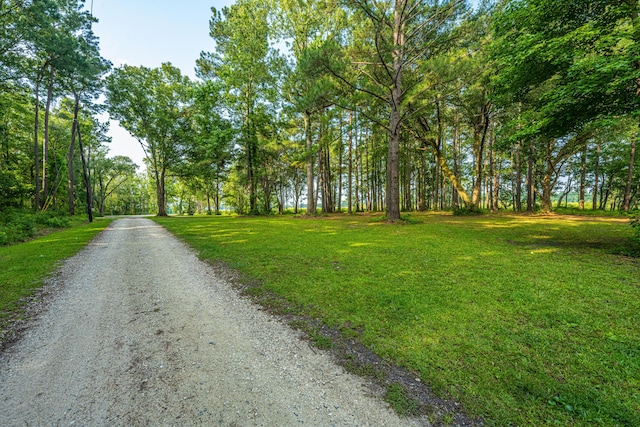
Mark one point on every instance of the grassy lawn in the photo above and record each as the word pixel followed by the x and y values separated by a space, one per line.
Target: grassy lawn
pixel 24 266
pixel 525 320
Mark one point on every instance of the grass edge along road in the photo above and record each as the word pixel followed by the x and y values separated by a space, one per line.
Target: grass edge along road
pixel 25 266
pixel 525 320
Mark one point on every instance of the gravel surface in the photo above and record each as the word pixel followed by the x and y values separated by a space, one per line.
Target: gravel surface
pixel 141 332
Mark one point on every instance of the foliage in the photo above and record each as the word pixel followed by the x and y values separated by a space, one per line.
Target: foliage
pixel 152 104
pixel 247 68
pixel 521 319
pixel 18 226
pixel 567 62
pixel 466 211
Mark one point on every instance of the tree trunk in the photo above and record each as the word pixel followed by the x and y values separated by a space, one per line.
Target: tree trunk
pixel 311 200
pixel 393 182
pixel 531 186
pixel 442 162
pixel 36 146
pixel 479 139
pixel 357 171
pixel 632 159
pixel 350 166
pixel 340 167
pixel 251 160
pixel 45 140
pixel 87 177
pixel 436 177
pixel 518 186
pixel 583 176
pixel 496 186
pixel 566 192
pixel 422 182
pixel 493 181
pixel 160 192
pixel 72 144
pixel 595 181
pixel 605 191
pixel 454 197
pixel 546 181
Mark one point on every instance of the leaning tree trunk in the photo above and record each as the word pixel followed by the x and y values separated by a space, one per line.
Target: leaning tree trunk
pixel 87 178
pixel 36 145
pixel 45 140
pixel 72 144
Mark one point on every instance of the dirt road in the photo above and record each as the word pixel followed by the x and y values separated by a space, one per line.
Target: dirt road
pixel 140 332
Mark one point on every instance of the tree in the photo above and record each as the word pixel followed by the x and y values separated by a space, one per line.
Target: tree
pixel 305 25
pixel 109 175
pixel 244 63
pixel 404 32
pixel 569 64
pixel 153 105
pixel 84 82
pixel 208 155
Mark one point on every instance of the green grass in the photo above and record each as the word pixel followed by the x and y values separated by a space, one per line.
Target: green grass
pixel 399 401
pixel 23 267
pixel 525 320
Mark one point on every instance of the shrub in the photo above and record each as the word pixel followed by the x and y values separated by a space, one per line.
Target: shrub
pixel 19 226
pixel 52 220
pixel 466 211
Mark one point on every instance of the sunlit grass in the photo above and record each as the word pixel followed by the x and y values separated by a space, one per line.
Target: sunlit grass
pixel 23 267
pixel 525 320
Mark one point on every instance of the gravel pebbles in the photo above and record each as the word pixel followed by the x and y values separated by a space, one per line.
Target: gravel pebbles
pixel 142 333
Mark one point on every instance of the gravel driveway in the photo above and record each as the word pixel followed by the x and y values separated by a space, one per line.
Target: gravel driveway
pixel 141 332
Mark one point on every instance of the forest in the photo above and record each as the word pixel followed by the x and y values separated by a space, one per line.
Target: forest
pixel 312 106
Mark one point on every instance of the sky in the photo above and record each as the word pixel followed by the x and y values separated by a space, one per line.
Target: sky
pixel 148 33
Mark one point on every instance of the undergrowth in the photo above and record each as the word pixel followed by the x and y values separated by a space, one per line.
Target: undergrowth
pixel 19 226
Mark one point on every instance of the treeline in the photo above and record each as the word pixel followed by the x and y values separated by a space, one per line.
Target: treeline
pixel 409 105
pixel 335 106
pixel 54 154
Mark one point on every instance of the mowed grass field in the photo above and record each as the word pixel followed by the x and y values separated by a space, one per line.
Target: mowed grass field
pixel 524 320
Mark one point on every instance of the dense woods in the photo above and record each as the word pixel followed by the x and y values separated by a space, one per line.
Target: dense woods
pixel 331 106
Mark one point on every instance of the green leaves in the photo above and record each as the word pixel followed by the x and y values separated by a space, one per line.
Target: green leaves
pixel 153 105
pixel 570 62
